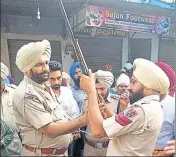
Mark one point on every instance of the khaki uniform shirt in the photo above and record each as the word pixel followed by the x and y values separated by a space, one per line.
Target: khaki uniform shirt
pixel 7 114
pixel 134 132
pixel 34 107
pixel 7 107
pixel 111 102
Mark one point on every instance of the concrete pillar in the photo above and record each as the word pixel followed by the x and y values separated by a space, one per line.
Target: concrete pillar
pixel 155 48
pixel 125 51
pixel 4 51
pixel 66 58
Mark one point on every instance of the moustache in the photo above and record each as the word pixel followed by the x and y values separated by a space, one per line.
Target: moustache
pixel 44 72
pixel 56 87
pixel 77 81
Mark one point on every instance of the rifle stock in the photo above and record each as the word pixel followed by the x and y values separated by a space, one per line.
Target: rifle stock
pixel 75 43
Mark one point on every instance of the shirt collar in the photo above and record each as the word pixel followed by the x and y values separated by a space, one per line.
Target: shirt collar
pixel 151 97
pixel 165 100
pixel 108 99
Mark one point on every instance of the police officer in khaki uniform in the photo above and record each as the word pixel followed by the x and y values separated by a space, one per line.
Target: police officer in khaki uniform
pixel 15 147
pixel 44 126
pixel 98 146
pixel 134 131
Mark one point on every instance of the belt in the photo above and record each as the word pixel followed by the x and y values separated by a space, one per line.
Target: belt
pixel 98 145
pixel 48 151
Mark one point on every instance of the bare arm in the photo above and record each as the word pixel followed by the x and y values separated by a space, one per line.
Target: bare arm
pixel 61 127
pixel 95 116
pixel 39 118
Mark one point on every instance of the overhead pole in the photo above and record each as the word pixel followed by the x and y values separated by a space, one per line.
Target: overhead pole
pixel 75 43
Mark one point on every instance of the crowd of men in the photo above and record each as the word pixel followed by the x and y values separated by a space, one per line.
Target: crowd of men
pixel 45 116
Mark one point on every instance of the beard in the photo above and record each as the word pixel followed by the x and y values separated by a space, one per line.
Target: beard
pixel 40 78
pixel 136 96
pixel 77 81
pixel 56 86
pixel 105 95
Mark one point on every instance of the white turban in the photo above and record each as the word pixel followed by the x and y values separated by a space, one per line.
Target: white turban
pixel 104 77
pixel 150 75
pixel 123 79
pixel 4 71
pixel 28 55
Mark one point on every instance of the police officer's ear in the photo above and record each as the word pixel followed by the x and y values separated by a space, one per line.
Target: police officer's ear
pixel 148 91
pixel 28 73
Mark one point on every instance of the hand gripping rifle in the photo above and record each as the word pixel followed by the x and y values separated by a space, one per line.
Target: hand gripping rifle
pixel 77 49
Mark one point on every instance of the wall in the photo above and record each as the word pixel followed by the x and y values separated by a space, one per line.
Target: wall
pixel 125 51
pixel 28 28
pixel 23 27
pixel 154 43
pixel 4 51
pixel 31 26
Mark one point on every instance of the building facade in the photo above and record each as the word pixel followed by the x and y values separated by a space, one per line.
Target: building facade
pixel 20 26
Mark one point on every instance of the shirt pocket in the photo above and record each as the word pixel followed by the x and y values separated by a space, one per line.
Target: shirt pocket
pixel 8 108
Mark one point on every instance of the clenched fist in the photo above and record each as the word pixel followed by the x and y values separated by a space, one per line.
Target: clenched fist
pixel 124 100
pixel 87 83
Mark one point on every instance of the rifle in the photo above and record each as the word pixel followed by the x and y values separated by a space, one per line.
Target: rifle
pixel 75 43
pixel 76 46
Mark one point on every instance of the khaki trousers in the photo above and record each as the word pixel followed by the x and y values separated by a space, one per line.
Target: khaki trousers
pixel 90 151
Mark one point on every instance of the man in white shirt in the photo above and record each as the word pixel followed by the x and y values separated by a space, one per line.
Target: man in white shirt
pixel 63 94
pixel 167 132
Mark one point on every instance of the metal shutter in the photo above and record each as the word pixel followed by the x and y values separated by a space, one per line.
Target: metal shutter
pixel 140 48
pixel 14 46
pixel 100 51
pixel 167 52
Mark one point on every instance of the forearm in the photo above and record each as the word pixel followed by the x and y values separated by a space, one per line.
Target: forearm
pixel 59 128
pixel 95 117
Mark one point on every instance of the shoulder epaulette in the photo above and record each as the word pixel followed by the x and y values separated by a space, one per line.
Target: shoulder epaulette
pixel 30 90
pixel 145 102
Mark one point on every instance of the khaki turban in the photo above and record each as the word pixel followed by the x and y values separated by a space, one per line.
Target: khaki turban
pixel 150 75
pixel 4 71
pixel 28 55
pixel 104 77
pixel 66 76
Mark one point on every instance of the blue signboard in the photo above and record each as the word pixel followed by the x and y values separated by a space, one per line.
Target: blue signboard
pixel 168 4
